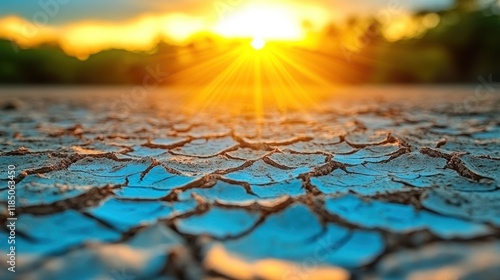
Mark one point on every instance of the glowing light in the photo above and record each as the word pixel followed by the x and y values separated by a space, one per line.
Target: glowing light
pixel 277 20
pixel 219 259
pixel 265 21
pixel 258 43
pixel 25 33
pixel 81 39
pixel 180 27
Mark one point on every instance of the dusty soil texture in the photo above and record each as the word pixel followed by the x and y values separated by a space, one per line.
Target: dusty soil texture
pixel 380 183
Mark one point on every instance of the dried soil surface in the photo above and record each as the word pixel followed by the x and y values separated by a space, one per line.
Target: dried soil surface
pixel 381 183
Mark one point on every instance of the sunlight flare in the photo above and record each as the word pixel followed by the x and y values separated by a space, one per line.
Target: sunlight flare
pixel 265 21
pixel 258 43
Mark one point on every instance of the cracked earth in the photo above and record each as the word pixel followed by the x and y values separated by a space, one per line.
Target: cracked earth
pixel 386 183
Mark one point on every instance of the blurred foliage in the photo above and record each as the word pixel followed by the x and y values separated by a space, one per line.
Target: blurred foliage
pixel 461 48
pixel 463 45
pixel 50 65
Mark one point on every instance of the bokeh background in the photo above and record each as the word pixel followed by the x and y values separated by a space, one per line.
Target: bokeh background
pixel 381 42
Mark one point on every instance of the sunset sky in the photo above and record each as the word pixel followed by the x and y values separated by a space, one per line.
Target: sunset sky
pixel 77 10
pixel 85 27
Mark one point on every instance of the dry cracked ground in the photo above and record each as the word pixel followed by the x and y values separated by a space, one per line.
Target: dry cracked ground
pixel 382 183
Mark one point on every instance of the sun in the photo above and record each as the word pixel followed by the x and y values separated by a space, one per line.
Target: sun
pixel 263 21
pixel 258 43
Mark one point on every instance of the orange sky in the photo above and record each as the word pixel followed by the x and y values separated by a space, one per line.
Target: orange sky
pixel 266 19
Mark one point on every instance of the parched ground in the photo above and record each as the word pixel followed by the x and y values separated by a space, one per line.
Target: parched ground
pixel 381 183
